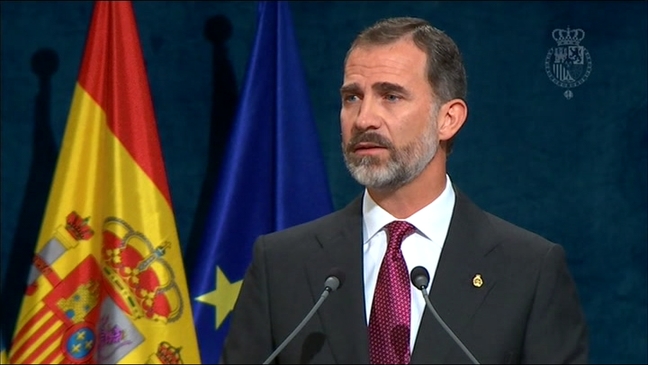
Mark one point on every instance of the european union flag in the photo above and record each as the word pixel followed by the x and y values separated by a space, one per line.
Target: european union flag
pixel 273 174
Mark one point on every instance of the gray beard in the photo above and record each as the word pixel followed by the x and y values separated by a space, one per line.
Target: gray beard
pixel 402 166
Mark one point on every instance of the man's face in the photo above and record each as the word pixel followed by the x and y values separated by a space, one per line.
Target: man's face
pixel 388 116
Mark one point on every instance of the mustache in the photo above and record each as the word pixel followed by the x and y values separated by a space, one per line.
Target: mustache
pixel 369 137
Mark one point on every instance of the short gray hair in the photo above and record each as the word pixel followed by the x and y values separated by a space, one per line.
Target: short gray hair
pixel 445 69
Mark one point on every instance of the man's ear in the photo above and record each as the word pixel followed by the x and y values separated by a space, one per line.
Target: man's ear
pixel 452 116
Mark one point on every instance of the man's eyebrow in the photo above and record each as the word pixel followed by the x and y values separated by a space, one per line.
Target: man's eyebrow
pixel 388 87
pixel 353 88
pixel 380 87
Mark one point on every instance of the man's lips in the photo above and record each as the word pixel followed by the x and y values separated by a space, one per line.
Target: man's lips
pixel 368 148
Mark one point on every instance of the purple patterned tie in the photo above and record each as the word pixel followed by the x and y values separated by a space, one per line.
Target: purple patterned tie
pixel 389 322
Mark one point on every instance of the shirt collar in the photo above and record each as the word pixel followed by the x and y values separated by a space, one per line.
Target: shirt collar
pixel 432 220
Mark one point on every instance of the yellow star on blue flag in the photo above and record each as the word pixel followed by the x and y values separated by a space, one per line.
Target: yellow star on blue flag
pixel 223 297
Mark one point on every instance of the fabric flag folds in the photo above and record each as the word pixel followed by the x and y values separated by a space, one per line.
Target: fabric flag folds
pixel 3 351
pixel 273 174
pixel 107 284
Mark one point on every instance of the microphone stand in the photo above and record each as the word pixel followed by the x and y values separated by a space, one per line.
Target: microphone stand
pixel 446 328
pixel 276 352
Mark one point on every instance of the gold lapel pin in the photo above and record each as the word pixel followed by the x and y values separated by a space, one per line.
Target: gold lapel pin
pixel 477 281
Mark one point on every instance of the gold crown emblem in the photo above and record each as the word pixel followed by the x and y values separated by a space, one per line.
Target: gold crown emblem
pixel 78 227
pixel 166 354
pixel 139 274
pixel 568 37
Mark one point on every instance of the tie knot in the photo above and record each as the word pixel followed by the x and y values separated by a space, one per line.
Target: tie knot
pixel 396 233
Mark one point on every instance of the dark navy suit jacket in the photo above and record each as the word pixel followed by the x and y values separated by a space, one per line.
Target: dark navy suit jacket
pixel 526 311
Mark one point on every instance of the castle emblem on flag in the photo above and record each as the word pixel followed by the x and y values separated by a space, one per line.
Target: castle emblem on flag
pixel 81 302
pixel 569 64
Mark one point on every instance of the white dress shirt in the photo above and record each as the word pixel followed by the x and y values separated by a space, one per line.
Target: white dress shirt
pixel 422 248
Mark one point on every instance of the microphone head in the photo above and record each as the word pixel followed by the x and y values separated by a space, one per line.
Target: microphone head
pixel 335 279
pixel 420 277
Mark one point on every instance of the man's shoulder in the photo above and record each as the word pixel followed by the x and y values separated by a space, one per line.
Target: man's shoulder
pixel 319 225
pixel 507 234
pixel 323 226
pixel 516 236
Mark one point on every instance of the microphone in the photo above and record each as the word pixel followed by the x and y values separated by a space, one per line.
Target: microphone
pixel 333 282
pixel 420 279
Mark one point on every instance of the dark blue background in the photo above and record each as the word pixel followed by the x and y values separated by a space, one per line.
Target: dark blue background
pixel 574 171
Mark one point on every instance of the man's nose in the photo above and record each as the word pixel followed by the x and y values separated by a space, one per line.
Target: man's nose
pixel 368 115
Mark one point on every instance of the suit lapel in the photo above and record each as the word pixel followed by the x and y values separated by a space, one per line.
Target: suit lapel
pixel 343 314
pixel 453 294
pixel 468 251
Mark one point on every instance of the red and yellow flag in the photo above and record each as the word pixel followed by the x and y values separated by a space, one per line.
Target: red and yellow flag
pixel 107 283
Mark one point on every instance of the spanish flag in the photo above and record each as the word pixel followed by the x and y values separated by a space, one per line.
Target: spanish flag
pixel 107 284
pixel 3 351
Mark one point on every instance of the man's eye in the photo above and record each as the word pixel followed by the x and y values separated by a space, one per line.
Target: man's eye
pixel 350 98
pixel 392 97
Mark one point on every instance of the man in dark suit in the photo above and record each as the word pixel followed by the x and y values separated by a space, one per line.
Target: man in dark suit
pixel 505 292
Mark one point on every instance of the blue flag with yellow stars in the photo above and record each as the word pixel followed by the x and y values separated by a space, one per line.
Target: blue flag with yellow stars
pixel 273 175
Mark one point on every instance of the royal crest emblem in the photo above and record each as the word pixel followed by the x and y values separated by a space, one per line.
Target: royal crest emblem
pixel 166 354
pixel 569 64
pixel 141 281
pixel 61 329
pixel 89 315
